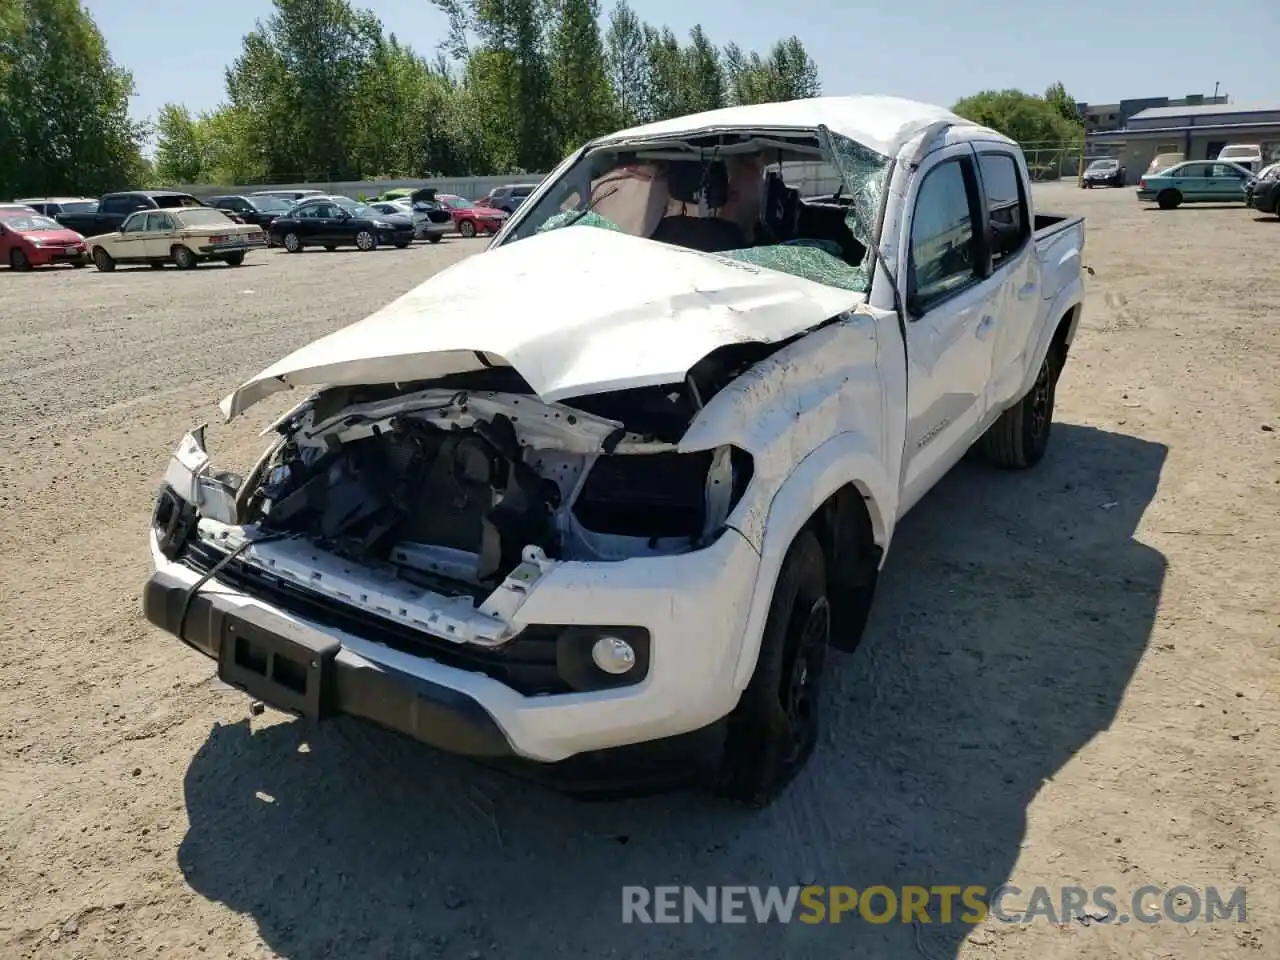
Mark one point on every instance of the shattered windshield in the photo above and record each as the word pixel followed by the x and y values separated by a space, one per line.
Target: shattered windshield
pixel 783 201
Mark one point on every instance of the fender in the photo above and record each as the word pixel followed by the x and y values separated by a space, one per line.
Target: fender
pixel 1071 297
pixel 848 457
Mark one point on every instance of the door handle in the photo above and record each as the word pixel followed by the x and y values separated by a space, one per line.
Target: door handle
pixel 984 327
pixel 1027 291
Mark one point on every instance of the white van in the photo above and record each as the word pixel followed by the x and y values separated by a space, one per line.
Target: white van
pixel 1247 155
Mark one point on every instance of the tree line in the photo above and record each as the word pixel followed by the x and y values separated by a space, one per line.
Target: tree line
pixel 321 91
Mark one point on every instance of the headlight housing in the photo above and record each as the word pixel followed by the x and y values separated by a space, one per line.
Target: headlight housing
pixel 382 225
pixel 664 495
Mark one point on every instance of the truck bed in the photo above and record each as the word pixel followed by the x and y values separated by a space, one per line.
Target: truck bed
pixel 1047 224
pixel 1059 241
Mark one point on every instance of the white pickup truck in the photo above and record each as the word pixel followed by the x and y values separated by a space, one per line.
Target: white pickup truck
pixel 601 498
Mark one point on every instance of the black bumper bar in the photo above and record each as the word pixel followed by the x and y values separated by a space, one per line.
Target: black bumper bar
pixel 274 660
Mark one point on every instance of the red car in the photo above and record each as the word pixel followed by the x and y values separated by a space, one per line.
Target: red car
pixel 471 218
pixel 32 240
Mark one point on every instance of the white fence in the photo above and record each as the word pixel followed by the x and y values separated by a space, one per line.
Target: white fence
pixel 810 178
pixel 471 187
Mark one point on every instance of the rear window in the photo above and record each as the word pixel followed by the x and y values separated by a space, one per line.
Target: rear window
pixel 29 222
pixel 123 204
pixel 204 217
pixel 176 200
pixel 1006 205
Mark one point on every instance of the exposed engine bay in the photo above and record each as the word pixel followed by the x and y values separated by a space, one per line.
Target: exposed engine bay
pixel 449 485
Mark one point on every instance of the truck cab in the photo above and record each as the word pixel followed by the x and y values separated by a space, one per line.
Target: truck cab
pixel 617 486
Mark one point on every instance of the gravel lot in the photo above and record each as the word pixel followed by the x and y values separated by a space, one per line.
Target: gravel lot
pixel 1069 677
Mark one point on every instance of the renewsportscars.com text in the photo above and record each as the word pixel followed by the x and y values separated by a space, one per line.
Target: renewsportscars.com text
pixel 932 904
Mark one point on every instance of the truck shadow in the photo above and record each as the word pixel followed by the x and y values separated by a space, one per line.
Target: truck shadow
pixel 1011 618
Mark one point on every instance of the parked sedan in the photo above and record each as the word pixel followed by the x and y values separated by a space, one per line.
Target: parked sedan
pixel 1106 172
pixel 471 219
pixel 333 222
pixel 1263 193
pixel 53 206
pixel 184 237
pixel 1267 174
pixel 508 198
pixel 256 210
pixel 32 240
pixel 1195 181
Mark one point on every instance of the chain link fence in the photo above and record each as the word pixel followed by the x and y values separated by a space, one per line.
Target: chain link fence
pixel 1050 160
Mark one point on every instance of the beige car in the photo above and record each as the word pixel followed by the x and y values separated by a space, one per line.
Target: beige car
pixel 182 236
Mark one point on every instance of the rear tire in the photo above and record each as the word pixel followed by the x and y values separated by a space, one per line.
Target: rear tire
pixel 330 247
pixel 1169 199
pixel 1020 437
pixel 157 264
pixel 234 259
pixel 18 259
pixel 774 728
pixel 434 238
pixel 401 244
pixel 183 258
pixel 102 260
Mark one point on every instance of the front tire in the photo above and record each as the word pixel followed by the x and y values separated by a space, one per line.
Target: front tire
pixel 467 229
pixel 184 259
pixel 292 243
pixel 1168 199
pixel 774 728
pixel 1020 437
pixel 102 260
pixel 434 238
pixel 366 241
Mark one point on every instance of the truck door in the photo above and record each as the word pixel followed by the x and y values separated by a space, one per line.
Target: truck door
pixel 951 315
pixel 1015 281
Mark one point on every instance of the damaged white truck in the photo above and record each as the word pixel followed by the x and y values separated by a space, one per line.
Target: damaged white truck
pixel 595 503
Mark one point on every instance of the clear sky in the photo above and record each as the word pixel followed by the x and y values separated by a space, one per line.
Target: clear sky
pixel 932 50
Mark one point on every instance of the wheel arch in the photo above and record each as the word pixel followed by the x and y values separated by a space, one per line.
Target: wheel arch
pixel 843 478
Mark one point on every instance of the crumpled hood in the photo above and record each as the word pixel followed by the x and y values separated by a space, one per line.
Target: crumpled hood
pixel 575 311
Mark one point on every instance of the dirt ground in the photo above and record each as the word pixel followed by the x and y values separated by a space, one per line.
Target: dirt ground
pixel 1069 678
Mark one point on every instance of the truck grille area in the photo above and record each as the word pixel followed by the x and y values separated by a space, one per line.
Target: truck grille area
pixel 526 663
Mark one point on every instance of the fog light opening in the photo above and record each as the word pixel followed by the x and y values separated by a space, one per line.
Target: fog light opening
pixel 613 655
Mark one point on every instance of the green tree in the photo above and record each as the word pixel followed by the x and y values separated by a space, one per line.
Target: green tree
pixel 1023 117
pixel 581 99
pixel 628 62
pixel 64 104
pixel 227 152
pixel 179 158
pixel 510 74
pixel 789 73
pixel 793 74
pixel 703 73
pixel 668 74
pixel 1056 95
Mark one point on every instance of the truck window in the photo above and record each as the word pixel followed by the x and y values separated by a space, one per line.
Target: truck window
pixel 944 257
pixel 1006 205
pixel 123 204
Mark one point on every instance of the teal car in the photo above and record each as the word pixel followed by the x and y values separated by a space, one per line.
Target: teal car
pixel 1195 181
